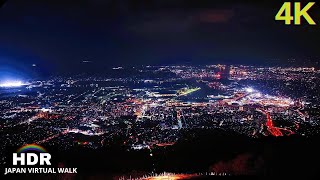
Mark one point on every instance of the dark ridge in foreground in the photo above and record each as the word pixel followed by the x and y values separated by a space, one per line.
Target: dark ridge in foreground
pixel 200 151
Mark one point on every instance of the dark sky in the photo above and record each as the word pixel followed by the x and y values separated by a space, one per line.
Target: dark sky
pixel 60 34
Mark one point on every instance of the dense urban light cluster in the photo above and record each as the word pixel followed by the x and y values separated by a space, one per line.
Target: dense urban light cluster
pixel 152 106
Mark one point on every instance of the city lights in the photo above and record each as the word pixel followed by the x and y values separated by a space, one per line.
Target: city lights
pixel 86 112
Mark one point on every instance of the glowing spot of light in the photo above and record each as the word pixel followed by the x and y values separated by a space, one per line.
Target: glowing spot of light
pixel 11 84
pixel 249 90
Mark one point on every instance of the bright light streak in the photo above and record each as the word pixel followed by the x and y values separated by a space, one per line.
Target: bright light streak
pixel 46 110
pixel 11 84
pixel 249 90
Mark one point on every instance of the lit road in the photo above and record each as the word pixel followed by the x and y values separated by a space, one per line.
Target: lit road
pixel 271 128
pixel 274 131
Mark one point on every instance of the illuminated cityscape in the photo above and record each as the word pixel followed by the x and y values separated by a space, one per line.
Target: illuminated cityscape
pixel 152 113
pixel 159 89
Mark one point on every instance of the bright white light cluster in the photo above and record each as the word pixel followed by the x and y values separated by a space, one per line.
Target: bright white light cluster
pixel 249 90
pixel 11 84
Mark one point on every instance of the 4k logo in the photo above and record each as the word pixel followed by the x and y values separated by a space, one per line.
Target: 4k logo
pixel 285 14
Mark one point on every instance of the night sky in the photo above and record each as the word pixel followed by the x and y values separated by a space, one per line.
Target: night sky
pixel 57 35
